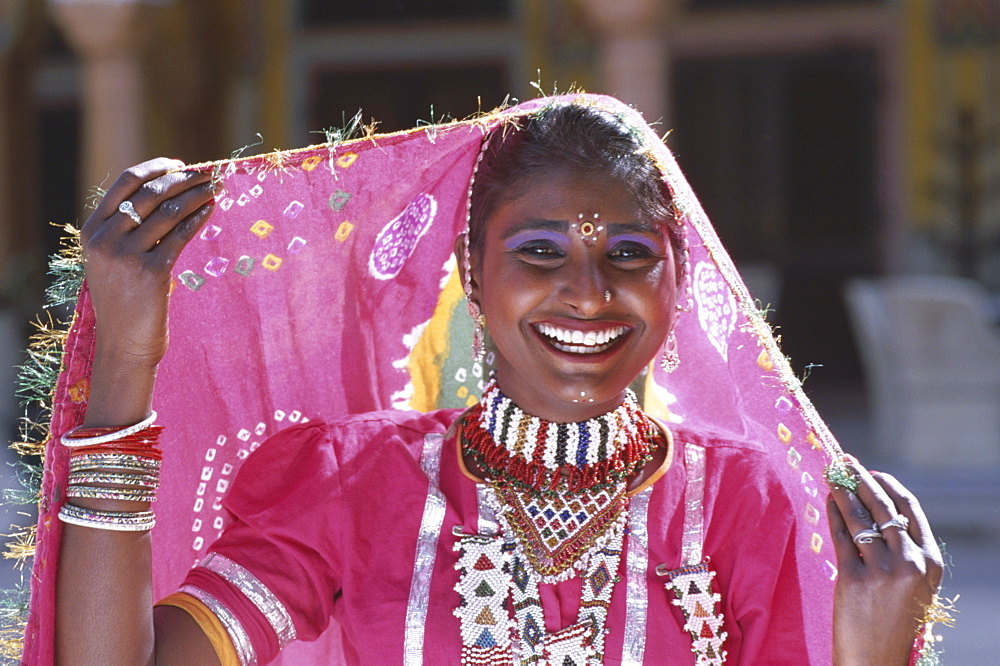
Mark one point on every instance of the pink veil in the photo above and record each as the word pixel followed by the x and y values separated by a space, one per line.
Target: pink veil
pixel 324 284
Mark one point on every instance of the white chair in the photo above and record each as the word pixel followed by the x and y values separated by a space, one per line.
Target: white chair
pixel 932 365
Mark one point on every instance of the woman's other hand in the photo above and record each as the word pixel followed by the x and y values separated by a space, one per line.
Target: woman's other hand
pixel 128 263
pixel 885 582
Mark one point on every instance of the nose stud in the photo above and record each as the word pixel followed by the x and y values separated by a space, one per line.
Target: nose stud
pixel 588 227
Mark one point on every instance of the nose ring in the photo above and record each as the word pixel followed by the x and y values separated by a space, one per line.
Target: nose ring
pixel 607 295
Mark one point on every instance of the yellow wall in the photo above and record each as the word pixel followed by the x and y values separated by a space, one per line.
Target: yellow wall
pixel 941 80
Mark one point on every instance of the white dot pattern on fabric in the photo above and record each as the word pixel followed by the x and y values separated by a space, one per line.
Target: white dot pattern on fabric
pixel 398 239
pixel 716 306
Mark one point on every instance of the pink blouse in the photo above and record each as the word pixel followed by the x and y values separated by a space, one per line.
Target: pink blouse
pixel 353 521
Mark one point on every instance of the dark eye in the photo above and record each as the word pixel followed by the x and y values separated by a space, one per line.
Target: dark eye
pixel 631 251
pixel 539 250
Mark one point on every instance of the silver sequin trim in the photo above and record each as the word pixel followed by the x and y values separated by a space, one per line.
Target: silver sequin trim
pixel 636 603
pixel 488 523
pixel 423 565
pixel 238 635
pixel 255 591
pixel 694 510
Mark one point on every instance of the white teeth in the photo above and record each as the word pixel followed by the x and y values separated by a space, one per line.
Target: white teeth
pixel 580 349
pixel 580 342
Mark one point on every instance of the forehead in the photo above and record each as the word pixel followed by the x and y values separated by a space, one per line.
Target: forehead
pixel 565 194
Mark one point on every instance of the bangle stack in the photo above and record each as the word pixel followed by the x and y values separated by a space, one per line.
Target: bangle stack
pixel 113 464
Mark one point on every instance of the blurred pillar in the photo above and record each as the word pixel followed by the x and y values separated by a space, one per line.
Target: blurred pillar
pixel 13 26
pixel 104 34
pixel 15 56
pixel 635 62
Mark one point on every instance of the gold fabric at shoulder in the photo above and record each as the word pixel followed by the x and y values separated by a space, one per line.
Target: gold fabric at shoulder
pixel 664 466
pixel 209 623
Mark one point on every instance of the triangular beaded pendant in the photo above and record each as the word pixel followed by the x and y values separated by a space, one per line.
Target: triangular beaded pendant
pixel 692 585
pixel 484 565
pixel 556 531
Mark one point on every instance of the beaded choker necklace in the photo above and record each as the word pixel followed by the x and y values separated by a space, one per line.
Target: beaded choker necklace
pixel 537 455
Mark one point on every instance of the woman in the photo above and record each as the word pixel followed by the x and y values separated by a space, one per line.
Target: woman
pixel 554 502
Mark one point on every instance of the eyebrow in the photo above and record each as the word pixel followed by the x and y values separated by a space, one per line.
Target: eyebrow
pixel 536 224
pixel 619 228
pixel 562 226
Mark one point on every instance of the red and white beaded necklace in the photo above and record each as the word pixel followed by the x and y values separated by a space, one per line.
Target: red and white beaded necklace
pixel 537 455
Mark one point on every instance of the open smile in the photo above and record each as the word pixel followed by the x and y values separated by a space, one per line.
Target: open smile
pixel 576 341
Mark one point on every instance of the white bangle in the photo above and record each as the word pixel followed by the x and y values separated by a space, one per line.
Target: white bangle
pixel 110 437
pixel 115 521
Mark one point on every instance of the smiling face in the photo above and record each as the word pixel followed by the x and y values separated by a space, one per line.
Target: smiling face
pixel 565 352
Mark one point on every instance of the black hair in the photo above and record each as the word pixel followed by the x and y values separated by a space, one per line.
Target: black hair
pixel 582 138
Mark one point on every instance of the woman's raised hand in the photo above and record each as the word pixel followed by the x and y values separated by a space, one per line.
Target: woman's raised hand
pixel 889 565
pixel 128 262
pixel 128 253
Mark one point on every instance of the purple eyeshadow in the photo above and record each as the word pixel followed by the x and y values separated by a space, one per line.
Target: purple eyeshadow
pixel 518 239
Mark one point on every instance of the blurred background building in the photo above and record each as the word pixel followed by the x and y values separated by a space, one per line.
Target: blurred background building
pixel 829 140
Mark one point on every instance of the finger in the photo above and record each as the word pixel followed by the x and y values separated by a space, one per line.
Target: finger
pixel 167 251
pixel 879 504
pixel 855 513
pixel 856 516
pixel 152 193
pixel 130 181
pixel 171 212
pixel 848 555
pixel 907 504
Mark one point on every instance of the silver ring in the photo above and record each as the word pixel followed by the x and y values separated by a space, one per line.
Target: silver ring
pixel 607 295
pixel 127 208
pixel 899 520
pixel 867 536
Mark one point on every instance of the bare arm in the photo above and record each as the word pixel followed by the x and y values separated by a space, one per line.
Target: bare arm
pixel 104 612
pixel 883 586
